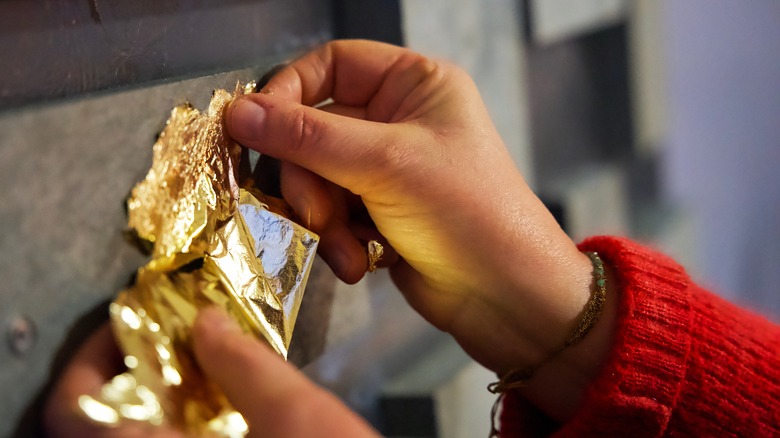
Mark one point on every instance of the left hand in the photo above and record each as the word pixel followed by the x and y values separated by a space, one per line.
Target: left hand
pixel 96 362
pixel 275 399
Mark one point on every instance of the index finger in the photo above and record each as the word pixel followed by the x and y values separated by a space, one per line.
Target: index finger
pixel 350 72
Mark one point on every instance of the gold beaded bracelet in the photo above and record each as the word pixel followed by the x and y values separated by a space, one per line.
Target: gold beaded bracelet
pixel 519 377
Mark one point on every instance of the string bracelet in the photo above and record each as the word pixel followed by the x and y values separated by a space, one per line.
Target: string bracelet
pixel 519 377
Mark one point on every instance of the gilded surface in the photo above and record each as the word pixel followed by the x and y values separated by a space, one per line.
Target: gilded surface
pixel 212 243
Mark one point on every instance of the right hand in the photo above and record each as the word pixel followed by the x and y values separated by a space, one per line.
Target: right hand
pixel 409 141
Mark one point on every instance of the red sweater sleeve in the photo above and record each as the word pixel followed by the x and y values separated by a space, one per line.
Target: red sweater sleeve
pixel 684 362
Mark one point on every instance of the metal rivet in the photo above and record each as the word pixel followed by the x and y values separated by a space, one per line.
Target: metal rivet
pixel 22 335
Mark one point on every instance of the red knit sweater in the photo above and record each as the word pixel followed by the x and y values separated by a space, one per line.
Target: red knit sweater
pixel 684 361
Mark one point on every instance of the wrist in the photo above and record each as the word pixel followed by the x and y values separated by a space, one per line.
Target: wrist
pixel 547 305
pixel 559 387
pixel 530 310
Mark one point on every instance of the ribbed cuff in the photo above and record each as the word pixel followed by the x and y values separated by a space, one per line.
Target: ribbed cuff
pixel 640 382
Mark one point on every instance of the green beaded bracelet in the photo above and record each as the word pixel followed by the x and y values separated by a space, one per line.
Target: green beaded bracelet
pixel 596 302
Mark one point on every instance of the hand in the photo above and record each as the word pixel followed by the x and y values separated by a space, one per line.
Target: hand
pixel 275 399
pixel 409 141
pixel 96 362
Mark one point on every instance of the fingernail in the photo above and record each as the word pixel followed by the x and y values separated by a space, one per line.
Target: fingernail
pixel 246 120
pixel 217 320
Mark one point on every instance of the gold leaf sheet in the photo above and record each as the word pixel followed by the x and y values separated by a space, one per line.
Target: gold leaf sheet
pixel 213 243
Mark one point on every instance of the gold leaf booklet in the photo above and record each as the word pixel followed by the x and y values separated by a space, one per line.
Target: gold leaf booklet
pixel 212 243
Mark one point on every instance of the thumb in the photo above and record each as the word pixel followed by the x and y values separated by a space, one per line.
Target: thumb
pixel 344 150
pixel 275 399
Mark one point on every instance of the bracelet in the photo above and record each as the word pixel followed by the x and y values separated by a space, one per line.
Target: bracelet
pixel 519 377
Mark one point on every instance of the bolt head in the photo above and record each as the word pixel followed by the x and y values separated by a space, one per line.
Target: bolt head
pixel 22 335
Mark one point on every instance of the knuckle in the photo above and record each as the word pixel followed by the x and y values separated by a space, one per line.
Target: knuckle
pixel 398 153
pixel 305 131
pixel 450 72
pixel 417 63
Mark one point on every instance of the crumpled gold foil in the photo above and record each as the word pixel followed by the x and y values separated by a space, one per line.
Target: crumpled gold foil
pixel 375 252
pixel 212 243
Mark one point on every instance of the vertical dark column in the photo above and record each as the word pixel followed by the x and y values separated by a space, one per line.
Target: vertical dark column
pixel 378 20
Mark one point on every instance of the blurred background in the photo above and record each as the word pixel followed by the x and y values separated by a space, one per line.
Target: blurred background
pixel 658 120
